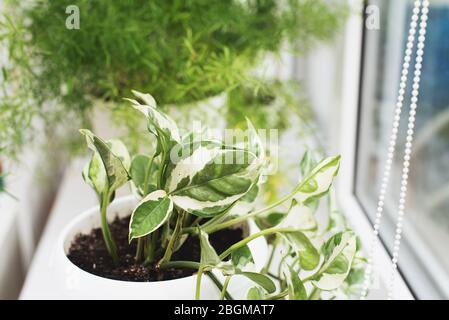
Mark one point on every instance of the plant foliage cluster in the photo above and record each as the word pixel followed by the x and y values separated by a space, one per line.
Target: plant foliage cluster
pixel 201 193
pixel 180 50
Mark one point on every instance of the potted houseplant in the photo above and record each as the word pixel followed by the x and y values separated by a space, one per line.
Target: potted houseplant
pixel 183 52
pixel 183 225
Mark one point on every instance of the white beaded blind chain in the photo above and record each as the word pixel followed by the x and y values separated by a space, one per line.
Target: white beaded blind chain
pixel 392 144
pixel 408 144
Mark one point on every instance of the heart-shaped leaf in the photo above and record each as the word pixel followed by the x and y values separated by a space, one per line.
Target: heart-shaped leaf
pixel 261 279
pixel 300 217
pixel 296 289
pixel 139 166
pixel 150 214
pixel 242 258
pixel 107 170
pixel 209 257
pixel 211 179
pixel 309 257
pixel 318 181
pixel 256 293
pixel 339 252
pixel 160 124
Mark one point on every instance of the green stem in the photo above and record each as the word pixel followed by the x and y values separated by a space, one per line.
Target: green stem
pixel 180 264
pixel 147 176
pixel 270 259
pixel 196 221
pixel 109 241
pixel 218 284
pixel 198 284
pixel 225 287
pixel 274 276
pixel 174 239
pixel 139 249
pixel 229 223
pixel 315 294
pixel 243 242
pixel 160 181
pixel 152 242
pixel 196 265
pixel 278 296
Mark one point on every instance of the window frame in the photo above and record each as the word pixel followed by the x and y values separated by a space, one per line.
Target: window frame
pixel 353 50
pixel 429 276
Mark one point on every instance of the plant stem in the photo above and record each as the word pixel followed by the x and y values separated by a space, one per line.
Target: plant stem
pixel 274 276
pixel 152 242
pixel 219 285
pixel 195 265
pixel 229 223
pixel 180 264
pixel 139 249
pixel 278 296
pixel 243 242
pixel 270 259
pixel 225 287
pixel 147 176
pixel 109 241
pixel 198 284
pixel 196 221
pixel 174 238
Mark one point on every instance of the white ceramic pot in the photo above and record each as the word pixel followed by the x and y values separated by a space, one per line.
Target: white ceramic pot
pixel 74 283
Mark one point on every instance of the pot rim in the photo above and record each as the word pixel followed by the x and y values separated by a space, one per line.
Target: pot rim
pixel 90 212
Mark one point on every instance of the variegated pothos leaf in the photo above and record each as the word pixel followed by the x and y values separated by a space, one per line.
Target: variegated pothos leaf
pixel 160 124
pixel 339 252
pixel 150 214
pixel 300 217
pixel 210 178
pixel 108 168
pixel 318 181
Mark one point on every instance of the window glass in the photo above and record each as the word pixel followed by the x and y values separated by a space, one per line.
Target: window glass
pixel 424 257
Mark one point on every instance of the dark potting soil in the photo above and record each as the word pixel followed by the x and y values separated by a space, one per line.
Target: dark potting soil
pixel 89 253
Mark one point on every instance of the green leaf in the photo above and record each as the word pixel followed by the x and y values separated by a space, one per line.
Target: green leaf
pixel 261 279
pixel 209 257
pixel 138 171
pixel 150 214
pixel 211 179
pixel 318 181
pixel 251 195
pixel 242 258
pixel 107 170
pixel 270 220
pixel 307 253
pixel 339 252
pixel 256 293
pixel 296 289
pixel 355 276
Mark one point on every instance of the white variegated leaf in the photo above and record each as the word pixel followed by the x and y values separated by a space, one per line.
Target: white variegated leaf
pixel 146 98
pixel 119 149
pixel 308 255
pixel 210 186
pixel 318 181
pixel 150 214
pixel 191 159
pixel 255 144
pixel 300 217
pixel 106 171
pixel 339 252
pixel 158 122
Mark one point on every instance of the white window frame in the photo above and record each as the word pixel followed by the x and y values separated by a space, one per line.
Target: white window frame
pixel 358 219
